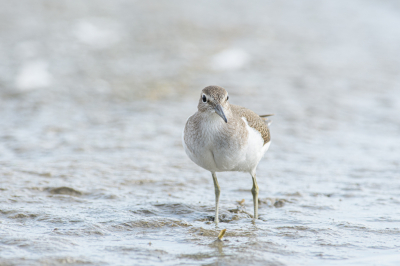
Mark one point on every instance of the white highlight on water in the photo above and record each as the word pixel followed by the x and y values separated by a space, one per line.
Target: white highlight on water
pixel 230 59
pixel 33 75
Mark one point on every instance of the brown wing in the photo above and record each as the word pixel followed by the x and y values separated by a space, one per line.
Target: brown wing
pixel 254 121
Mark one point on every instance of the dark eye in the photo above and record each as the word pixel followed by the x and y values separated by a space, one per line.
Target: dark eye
pixel 227 97
pixel 204 98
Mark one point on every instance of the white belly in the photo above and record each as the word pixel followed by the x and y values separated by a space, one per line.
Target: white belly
pixel 254 150
pixel 216 158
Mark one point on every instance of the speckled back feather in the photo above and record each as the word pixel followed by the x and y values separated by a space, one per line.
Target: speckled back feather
pixel 254 121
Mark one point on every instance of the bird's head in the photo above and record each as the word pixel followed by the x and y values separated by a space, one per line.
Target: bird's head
pixel 214 99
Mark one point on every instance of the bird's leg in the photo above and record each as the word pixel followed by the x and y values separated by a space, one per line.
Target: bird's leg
pixel 217 193
pixel 254 191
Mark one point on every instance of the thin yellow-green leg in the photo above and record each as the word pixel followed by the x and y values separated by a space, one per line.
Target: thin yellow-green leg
pixel 254 191
pixel 217 193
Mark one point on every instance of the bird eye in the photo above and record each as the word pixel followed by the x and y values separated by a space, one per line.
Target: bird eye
pixel 204 98
pixel 227 97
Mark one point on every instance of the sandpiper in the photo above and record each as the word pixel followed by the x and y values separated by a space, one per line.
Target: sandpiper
pixel 222 137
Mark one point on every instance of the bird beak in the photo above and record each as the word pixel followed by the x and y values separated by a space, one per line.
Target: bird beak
pixel 220 111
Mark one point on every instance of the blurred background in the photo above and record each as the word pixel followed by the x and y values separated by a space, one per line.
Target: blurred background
pixel 94 96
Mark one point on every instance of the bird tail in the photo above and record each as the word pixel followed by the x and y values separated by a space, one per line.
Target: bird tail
pixel 266 120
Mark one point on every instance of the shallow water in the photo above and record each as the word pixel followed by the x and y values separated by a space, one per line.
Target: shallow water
pixel 92 168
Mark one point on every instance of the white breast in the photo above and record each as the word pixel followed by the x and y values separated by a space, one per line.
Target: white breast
pixel 217 158
pixel 254 150
pixel 203 157
pixel 202 152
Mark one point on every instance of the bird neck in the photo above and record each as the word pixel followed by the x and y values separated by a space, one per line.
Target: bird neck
pixel 212 122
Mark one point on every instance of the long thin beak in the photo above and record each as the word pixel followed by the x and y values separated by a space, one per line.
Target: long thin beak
pixel 220 111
